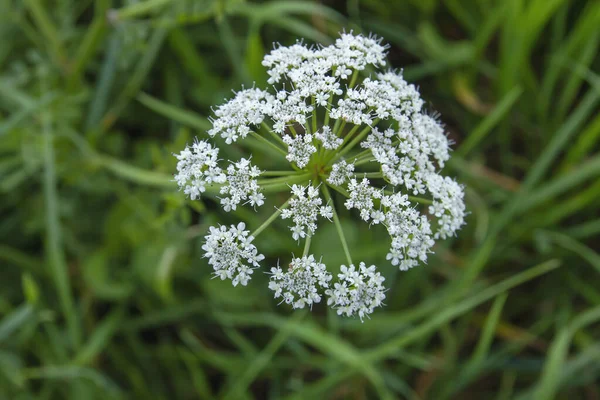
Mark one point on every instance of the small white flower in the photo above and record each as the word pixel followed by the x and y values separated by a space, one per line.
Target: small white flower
pixel 358 292
pixel 241 185
pixel 410 232
pixel 361 197
pixel 197 168
pixel 300 285
pixel 340 173
pixel 328 139
pixel 304 209
pixel 448 205
pixel 234 118
pixel 231 253
pixel 300 149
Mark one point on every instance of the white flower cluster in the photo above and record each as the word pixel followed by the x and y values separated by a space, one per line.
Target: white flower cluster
pixel 197 167
pixel 358 292
pixel 343 126
pixel 328 139
pixel 362 197
pixel 300 149
pixel 448 205
pixel 300 284
pixel 340 172
pixel 231 253
pixel 241 185
pixel 235 117
pixel 409 230
pixel 304 209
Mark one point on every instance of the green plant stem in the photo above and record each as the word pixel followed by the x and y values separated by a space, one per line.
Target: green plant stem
pixel 306 245
pixel 329 103
pixel 286 179
pixel 280 173
pixel 364 161
pixel 354 78
pixel 139 9
pixel 269 143
pixel 314 115
pixel 353 143
pixel 273 134
pixel 272 218
pixel 368 175
pixel 338 225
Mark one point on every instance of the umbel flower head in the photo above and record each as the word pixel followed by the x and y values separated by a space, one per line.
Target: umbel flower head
pixel 348 126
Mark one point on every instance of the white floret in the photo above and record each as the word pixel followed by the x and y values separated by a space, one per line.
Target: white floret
pixel 241 186
pixel 357 292
pixel 237 116
pixel 300 148
pixel 231 253
pixel 197 167
pixel 302 283
pixel 341 171
pixel 304 209
pixel 410 232
pixel 361 197
pixel 328 139
pixel 448 205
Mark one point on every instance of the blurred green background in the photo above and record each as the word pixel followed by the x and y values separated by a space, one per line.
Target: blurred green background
pixel 104 293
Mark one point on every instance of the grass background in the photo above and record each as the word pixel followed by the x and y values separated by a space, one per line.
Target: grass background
pixel 104 293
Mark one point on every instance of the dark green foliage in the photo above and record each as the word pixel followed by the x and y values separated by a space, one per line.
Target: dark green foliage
pixel 104 291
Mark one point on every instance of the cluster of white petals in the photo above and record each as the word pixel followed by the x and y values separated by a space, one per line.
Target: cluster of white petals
pixel 362 197
pixel 301 284
pixel 328 139
pixel 304 208
pixel 341 124
pixel 358 291
pixel 235 117
pixel 197 167
pixel 410 232
pixel 448 205
pixel 300 148
pixel 231 253
pixel 241 185
pixel 341 171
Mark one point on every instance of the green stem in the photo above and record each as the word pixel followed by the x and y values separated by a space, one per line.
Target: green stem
pixel 340 190
pixel 368 175
pixel 269 143
pixel 273 134
pixel 285 179
pixel 363 161
pixel 339 128
pixel 281 185
pixel 314 114
pixel 280 173
pixel 272 218
pixel 366 153
pixel 420 200
pixel 306 245
pixel 354 78
pixel 338 225
pixel 138 9
pixel 354 141
pixel 329 103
